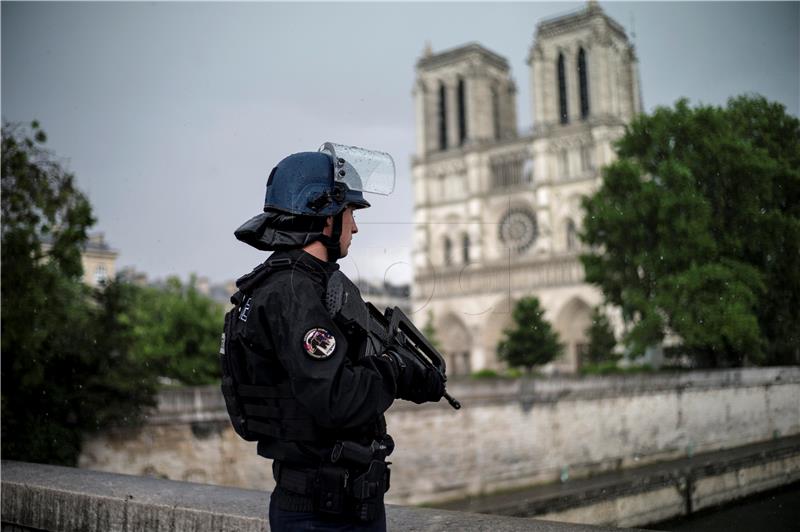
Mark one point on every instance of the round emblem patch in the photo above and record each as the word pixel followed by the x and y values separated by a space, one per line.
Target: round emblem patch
pixel 319 343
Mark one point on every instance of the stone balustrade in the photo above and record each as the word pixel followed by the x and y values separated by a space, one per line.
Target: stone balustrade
pixel 61 499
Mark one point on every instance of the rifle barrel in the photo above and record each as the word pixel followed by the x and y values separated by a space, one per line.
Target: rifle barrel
pixel 453 401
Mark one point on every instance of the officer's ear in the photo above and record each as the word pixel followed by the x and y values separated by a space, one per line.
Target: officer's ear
pixel 328 226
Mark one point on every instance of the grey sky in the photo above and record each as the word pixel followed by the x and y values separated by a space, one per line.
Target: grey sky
pixel 172 114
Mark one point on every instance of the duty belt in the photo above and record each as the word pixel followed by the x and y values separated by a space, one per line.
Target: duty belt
pixel 343 486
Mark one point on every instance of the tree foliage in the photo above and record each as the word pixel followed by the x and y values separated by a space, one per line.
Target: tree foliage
pixel 66 368
pixel 601 339
pixel 531 341
pixel 696 230
pixel 40 203
pixel 175 331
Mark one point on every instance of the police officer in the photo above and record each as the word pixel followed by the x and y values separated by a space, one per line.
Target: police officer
pixel 313 400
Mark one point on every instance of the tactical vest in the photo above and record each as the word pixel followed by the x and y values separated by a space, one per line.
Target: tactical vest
pixel 258 412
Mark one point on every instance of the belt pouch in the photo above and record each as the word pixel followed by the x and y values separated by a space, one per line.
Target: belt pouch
pixel 329 494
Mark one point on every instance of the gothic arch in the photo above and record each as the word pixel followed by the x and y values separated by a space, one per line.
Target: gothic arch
pixel 447 234
pixel 571 242
pixel 583 83
pixel 462 111
pixel 442 116
pixel 456 344
pixel 571 323
pixel 447 251
pixel 496 111
pixel 561 76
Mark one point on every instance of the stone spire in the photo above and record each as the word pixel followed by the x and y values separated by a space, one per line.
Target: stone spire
pixel 428 50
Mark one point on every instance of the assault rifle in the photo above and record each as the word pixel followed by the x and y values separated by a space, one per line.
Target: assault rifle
pixel 383 330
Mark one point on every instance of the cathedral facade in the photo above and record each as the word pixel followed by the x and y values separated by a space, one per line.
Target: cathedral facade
pixel 497 211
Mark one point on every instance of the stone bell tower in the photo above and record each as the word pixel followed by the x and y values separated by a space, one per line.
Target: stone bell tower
pixel 463 96
pixel 583 67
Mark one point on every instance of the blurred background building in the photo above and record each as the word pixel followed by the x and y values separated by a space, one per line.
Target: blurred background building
pixel 497 212
pixel 99 260
pixel 385 294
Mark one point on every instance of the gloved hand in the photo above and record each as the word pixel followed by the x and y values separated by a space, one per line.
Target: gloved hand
pixel 415 381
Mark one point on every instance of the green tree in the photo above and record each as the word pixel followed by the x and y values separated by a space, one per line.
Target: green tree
pixel 531 341
pixel 65 365
pixel 176 331
pixel 696 230
pixel 601 338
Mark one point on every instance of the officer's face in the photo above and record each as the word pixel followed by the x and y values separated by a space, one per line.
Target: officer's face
pixel 349 228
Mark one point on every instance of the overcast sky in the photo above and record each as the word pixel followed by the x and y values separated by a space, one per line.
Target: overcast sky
pixel 172 114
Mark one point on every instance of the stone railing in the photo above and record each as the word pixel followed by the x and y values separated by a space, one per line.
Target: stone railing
pixel 62 499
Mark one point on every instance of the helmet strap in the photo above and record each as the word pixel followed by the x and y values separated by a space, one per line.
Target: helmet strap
pixel 332 243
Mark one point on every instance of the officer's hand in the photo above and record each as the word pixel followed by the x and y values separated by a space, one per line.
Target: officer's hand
pixel 415 381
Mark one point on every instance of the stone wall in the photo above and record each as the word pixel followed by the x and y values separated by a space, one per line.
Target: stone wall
pixel 510 433
pixel 38 498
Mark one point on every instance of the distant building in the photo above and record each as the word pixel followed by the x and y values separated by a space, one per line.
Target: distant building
pixel 222 292
pixel 99 260
pixel 386 295
pixel 202 285
pixel 497 212
pixel 218 292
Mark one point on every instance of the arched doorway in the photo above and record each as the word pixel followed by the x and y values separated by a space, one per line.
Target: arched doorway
pixel 456 344
pixel 571 324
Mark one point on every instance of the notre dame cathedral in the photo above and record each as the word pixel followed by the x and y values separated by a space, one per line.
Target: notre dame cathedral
pixel 497 211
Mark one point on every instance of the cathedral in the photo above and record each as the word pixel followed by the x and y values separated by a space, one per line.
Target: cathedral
pixel 496 211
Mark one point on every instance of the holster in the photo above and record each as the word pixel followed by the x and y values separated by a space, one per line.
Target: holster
pixel 368 489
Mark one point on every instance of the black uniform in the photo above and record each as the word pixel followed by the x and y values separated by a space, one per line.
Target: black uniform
pixel 325 391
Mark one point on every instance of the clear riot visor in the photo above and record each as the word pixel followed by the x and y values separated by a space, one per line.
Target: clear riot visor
pixel 360 169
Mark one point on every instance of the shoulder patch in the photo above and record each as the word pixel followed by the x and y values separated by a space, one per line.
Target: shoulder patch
pixel 319 343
